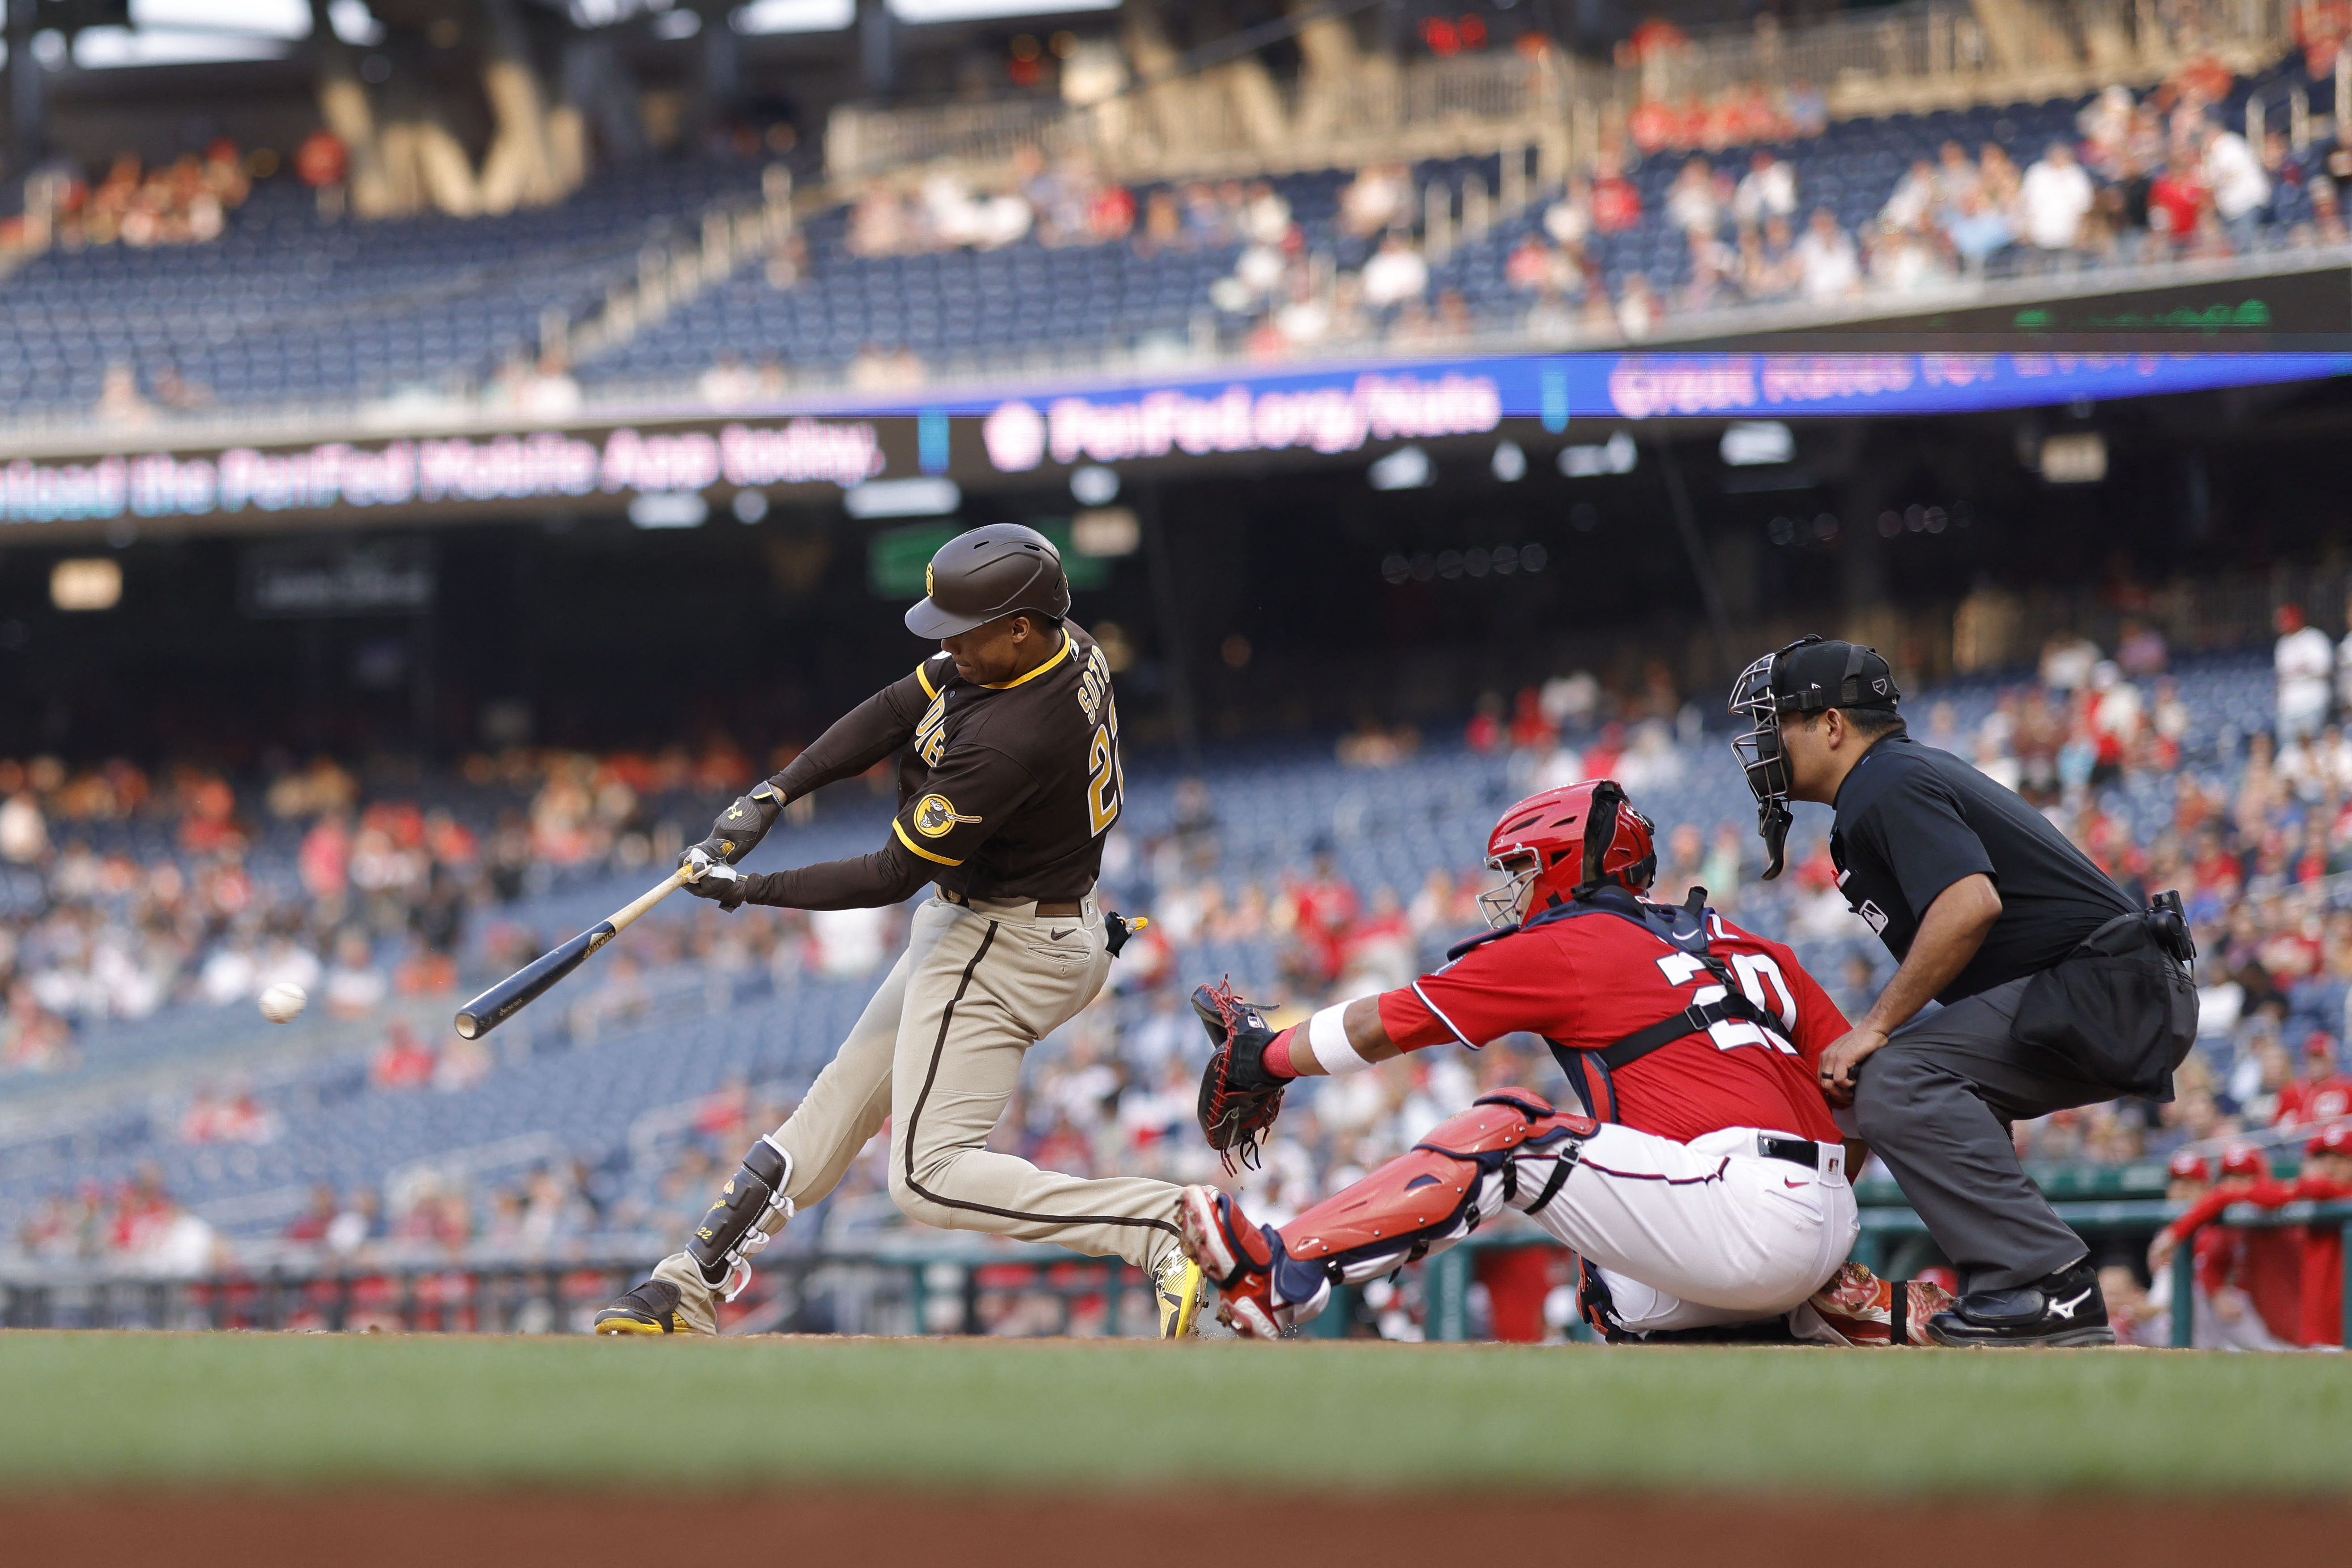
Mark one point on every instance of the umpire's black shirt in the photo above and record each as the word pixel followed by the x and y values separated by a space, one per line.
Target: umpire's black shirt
pixel 1912 821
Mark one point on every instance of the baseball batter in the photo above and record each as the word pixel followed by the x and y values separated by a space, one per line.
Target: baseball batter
pixel 1704 1185
pixel 1009 777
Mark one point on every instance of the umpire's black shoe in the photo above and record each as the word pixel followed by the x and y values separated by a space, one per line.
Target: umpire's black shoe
pixel 2058 1310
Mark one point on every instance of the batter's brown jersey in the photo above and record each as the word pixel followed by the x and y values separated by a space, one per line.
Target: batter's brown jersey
pixel 1004 790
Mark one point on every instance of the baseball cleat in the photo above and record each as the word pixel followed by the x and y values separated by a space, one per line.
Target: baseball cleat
pixel 1869 1310
pixel 2059 1311
pixel 1177 1288
pixel 651 1308
pixel 1247 1264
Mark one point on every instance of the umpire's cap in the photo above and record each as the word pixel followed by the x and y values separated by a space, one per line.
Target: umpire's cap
pixel 979 576
pixel 1813 674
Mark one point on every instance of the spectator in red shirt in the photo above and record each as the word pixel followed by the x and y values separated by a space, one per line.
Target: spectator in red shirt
pixel 1531 731
pixel 1616 204
pixel 310 1225
pixel 723 1113
pixel 403 1061
pixel 1485 731
pixel 2175 198
pixel 2323 1094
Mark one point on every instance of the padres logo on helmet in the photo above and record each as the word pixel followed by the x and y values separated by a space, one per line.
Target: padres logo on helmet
pixel 935 816
pixel 930 578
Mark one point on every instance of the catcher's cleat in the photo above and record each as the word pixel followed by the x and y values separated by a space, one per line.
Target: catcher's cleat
pixel 1264 1291
pixel 651 1308
pixel 1178 1287
pixel 1868 1311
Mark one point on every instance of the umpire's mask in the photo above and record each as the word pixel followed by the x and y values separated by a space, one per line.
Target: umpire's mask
pixel 1807 676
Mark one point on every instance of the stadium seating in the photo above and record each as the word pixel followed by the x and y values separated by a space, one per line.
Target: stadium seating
pixel 289 310
pixel 960 310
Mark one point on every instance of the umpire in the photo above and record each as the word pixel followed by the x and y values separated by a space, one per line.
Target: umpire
pixel 2056 990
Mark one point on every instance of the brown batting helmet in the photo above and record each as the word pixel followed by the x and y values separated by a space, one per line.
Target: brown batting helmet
pixel 979 576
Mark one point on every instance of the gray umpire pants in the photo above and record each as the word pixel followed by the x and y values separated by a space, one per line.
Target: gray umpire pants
pixel 1936 1103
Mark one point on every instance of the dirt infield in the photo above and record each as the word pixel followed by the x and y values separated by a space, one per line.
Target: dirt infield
pixel 880 1530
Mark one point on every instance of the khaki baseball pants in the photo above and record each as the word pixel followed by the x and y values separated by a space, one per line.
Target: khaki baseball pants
pixel 937 1054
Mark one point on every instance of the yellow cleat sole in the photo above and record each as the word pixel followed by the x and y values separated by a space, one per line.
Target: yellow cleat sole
pixel 621 1325
pixel 1188 1310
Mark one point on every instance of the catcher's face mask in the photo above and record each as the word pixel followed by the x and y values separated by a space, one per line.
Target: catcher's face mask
pixel 1769 690
pixel 1506 904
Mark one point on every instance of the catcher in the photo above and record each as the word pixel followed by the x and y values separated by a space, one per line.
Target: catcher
pixel 1703 1186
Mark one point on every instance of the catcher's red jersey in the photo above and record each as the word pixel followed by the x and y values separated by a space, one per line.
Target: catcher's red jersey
pixel 1590 981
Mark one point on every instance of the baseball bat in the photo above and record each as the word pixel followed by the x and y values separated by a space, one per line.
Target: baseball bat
pixel 526 984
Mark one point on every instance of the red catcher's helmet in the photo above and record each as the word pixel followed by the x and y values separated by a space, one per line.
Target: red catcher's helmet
pixel 1566 842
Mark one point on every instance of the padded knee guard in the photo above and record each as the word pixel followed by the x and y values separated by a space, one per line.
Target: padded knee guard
pixel 736 1224
pixel 1509 1147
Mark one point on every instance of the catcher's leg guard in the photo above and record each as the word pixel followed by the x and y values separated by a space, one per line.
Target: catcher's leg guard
pixel 737 1225
pixel 1509 1147
pixel 1262 1289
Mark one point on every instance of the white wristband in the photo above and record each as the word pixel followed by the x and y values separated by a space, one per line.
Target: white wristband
pixel 1327 1032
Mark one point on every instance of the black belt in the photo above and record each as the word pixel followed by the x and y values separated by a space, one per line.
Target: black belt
pixel 1047 909
pixel 1796 1151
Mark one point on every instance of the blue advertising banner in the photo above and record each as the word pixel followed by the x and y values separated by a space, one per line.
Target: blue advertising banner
pixel 831 442
pixel 1340 409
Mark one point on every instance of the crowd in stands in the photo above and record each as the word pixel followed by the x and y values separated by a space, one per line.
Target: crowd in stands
pixel 2145 182
pixel 184 202
pixel 129 894
pixel 1066 204
pixel 2131 180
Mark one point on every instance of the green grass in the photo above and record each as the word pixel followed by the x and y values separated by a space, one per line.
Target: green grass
pixel 124 1410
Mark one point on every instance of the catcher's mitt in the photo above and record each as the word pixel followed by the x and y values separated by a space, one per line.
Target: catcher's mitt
pixel 1239 1098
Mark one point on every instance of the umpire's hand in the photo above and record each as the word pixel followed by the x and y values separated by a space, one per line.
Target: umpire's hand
pixel 1843 1058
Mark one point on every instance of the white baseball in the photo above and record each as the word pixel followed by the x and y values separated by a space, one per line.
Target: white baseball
pixel 284 1002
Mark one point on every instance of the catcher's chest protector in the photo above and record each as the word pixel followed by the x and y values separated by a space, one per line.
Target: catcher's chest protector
pixel 1461 1174
pixel 1684 928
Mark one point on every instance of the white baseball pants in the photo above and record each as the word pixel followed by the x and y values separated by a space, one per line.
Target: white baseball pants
pixel 1705 1233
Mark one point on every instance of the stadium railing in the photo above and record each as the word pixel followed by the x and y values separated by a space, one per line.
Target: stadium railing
pixel 966 1289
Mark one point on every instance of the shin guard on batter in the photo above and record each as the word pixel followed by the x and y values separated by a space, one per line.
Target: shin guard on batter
pixel 750 1208
pixel 1509 1147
